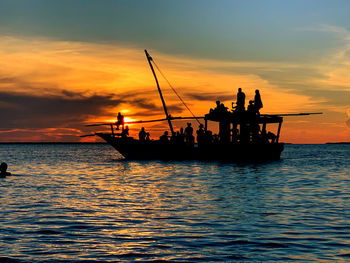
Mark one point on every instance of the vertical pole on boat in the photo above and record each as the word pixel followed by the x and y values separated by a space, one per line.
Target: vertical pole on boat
pixel 279 129
pixel 112 130
pixel 149 58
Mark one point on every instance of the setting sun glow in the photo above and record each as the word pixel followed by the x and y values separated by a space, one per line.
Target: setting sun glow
pixel 52 84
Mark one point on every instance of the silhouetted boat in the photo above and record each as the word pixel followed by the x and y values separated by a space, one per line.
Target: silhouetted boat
pixel 243 136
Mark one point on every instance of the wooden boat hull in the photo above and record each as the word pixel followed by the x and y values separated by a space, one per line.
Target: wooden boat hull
pixel 154 150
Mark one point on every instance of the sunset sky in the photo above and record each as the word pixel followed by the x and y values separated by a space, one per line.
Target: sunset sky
pixel 68 63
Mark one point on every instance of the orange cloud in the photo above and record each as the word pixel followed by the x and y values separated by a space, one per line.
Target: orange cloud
pixel 72 70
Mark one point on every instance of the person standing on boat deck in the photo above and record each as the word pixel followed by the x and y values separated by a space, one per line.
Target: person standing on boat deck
pixel 200 134
pixel 142 135
pixel 257 101
pixel 182 135
pixel 240 100
pixel 3 168
pixel 189 133
pixel 120 121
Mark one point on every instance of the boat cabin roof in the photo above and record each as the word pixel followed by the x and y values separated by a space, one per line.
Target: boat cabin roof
pixel 243 117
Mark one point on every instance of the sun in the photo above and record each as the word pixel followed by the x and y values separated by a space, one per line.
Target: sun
pixel 127 119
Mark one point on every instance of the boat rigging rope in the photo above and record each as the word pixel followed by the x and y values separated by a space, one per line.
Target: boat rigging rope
pixel 175 91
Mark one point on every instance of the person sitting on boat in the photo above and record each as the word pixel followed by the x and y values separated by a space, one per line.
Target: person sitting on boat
pixel 148 137
pixel 240 101
pixel 271 137
pixel 262 137
pixel 142 135
pixel 251 107
pixel 164 138
pixel 200 134
pixel 120 121
pixel 208 135
pixel 189 133
pixel 235 134
pixel 220 107
pixel 255 130
pixel 251 111
pixel 3 168
pixel 215 138
pixel 173 137
pixel 125 132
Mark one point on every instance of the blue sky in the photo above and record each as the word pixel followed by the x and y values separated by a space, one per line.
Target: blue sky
pixel 249 30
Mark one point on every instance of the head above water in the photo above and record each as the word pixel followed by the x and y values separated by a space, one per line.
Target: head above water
pixel 3 167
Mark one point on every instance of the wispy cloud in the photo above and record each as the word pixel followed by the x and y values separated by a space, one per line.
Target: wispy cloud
pixel 61 85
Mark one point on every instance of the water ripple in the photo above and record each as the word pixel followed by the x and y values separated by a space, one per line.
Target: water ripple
pixel 78 203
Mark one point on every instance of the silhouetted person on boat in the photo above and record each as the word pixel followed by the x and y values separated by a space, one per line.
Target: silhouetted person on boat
pixel 251 107
pixel 257 101
pixel 164 138
pixel 142 135
pixel 208 137
pixel 220 108
pixel 271 136
pixel 234 134
pixel 200 134
pixel 251 111
pixel 148 137
pixel 125 132
pixel 173 137
pixel 262 138
pixel 3 168
pixel 216 138
pixel 120 121
pixel 240 101
pixel 189 133
pixel 255 130
pixel 181 135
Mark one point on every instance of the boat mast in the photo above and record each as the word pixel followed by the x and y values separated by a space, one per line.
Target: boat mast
pixel 149 58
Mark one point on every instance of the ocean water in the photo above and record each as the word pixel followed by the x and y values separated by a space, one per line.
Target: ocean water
pixel 79 203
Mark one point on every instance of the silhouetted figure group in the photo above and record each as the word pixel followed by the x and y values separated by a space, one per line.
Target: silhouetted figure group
pixel 240 125
pixel 186 136
pixel 254 105
pixel 144 136
pixel 220 111
pixel 3 170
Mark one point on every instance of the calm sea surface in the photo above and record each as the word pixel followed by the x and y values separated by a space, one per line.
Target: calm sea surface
pixel 79 203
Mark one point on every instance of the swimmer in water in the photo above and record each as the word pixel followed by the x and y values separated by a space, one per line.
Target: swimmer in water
pixel 3 168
